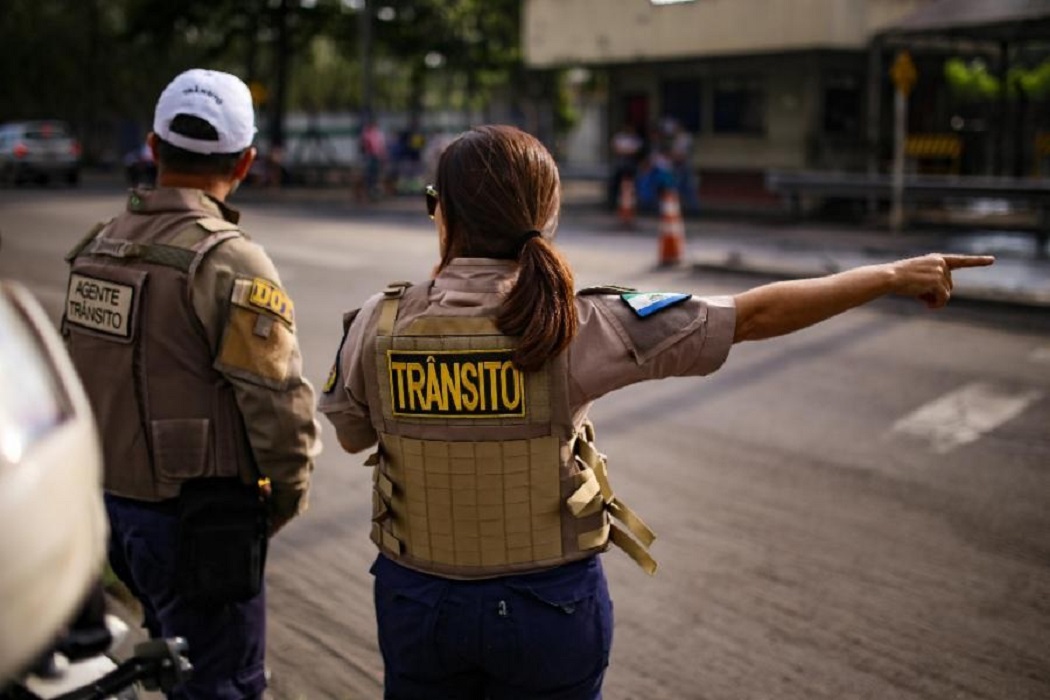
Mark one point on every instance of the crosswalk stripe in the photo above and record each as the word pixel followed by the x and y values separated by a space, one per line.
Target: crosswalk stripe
pixel 964 415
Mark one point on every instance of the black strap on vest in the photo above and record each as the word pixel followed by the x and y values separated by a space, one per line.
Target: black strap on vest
pixel 156 253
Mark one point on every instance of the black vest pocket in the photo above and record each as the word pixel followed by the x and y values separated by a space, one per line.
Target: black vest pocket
pixel 180 452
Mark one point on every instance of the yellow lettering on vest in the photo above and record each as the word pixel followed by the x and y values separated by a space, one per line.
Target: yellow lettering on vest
pixel 470 397
pixel 510 378
pixel 261 294
pixel 450 386
pixel 493 370
pixel 417 379
pixel 269 297
pixel 398 368
pixel 434 394
pixel 455 384
pixel 479 367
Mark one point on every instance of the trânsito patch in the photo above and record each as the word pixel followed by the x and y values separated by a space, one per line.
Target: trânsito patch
pixel 648 303
pixel 455 384
pixel 100 305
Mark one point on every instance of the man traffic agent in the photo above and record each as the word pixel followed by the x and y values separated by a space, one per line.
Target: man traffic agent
pixel 185 341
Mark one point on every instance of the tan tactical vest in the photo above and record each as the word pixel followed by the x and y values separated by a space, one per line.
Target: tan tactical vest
pixel 480 471
pixel 164 414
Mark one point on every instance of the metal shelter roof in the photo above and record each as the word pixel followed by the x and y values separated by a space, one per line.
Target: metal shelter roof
pixel 991 20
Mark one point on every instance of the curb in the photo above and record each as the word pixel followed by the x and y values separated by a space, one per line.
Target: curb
pixel 736 262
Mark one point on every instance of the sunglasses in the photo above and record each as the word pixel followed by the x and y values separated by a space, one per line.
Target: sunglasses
pixel 432 200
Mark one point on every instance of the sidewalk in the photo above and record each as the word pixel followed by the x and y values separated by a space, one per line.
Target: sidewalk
pixel 1018 276
pixel 768 247
pixel 758 242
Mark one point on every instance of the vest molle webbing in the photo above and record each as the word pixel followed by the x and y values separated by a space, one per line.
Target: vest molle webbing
pixel 479 472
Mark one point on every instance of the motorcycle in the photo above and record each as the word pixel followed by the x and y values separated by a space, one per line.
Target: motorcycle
pixel 56 638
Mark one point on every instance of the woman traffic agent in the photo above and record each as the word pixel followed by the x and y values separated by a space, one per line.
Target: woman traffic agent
pixel 490 498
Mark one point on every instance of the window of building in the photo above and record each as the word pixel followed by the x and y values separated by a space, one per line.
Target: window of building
pixel 681 100
pixel 842 104
pixel 739 106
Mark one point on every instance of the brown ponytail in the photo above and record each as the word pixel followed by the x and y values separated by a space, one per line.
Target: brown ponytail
pixel 498 188
pixel 541 307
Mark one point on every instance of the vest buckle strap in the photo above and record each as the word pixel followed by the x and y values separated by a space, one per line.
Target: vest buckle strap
pixel 587 499
pixel 386 540
pixel 619 537
pixel 380 509
pixel 395 290
pixel 635 525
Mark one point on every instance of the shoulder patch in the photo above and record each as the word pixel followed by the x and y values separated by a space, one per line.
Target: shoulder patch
pixel 269 297
pixel 605 289
pixel 645 304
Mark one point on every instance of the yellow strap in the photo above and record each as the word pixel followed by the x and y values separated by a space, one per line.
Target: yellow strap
pixel 387 316
pixel 385 485
pixel 631 521
pixel 602 474
pixel 587 498
pixel 587 452
pixel 396 289
pixel 594 538
pixel 386 539
pixel 380 510
pixel 634 550
pixel 451 325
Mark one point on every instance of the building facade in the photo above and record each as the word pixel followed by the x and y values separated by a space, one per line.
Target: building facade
pixel 760 84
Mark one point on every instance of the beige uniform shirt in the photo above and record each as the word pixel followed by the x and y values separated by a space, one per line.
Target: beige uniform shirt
pixel 278 417
pixel 612 349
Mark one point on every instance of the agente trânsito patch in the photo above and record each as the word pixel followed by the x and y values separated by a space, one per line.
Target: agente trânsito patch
pixel 270 297
pixel 100 305
pixel 455 384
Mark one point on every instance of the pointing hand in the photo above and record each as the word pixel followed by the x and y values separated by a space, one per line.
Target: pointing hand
pixel 929 277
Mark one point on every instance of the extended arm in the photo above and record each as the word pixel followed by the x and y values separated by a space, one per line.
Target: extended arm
pixel 784 307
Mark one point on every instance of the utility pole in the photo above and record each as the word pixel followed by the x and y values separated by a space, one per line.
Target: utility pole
pixel 873 120
pixel 364 29
pixel 904 76
pixel 281 59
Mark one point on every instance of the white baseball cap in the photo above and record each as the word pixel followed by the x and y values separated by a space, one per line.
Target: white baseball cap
pixel 221 99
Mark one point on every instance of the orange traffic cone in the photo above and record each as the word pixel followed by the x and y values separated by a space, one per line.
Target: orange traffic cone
pixel 672 228
pixel 626 203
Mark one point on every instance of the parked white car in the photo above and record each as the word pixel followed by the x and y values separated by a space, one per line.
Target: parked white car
pixel 38 151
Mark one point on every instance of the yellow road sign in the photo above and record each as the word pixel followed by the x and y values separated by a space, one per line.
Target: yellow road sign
pixel 903 72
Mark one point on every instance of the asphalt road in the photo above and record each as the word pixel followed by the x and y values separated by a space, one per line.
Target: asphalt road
pixel 861 510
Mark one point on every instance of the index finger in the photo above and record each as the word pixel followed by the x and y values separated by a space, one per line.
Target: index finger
pixel 956 261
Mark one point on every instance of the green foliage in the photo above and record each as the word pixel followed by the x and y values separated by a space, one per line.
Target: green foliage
pixel 972 80
pixel 100 63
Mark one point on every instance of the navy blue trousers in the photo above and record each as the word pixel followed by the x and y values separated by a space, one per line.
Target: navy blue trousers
pixel 542 636
pixel 227 643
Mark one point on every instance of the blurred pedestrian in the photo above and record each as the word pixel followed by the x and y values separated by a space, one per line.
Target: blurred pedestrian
pixel 491 499
pixel 408 157
pixel 680 154
pixel 185 341
pixel 374 150
pixel 627 147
